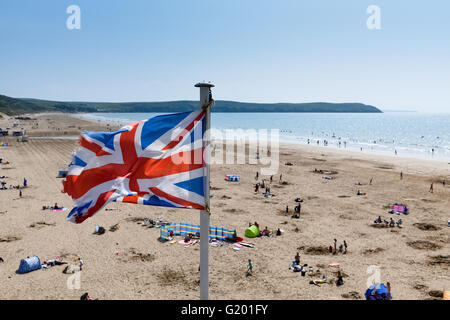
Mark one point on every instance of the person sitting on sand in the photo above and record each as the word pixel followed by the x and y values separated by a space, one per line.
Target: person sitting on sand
pixel 359 193
pixel 187 238
pixel 256 224
pixel 265 232
pixel 278 232
pixel 378 220
pixel 345 247
pixel 55 207
pixel 86 296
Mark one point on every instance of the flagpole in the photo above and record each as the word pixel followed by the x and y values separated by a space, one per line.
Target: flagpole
pixel 205 103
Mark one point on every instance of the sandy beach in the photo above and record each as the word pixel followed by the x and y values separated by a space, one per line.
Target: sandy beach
pixel 415 259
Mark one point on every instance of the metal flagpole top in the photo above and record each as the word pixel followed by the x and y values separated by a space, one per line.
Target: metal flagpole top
pixel 204 85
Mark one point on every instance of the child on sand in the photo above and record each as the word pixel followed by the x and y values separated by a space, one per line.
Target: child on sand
pixel 250 266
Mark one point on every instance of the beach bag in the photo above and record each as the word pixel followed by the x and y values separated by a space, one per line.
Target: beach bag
pixel 71 269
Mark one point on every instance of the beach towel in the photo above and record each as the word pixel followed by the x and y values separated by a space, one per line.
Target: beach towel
pixel 446 295
pixel 232 178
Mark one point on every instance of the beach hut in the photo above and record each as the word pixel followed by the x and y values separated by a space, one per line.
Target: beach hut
pixel 29 264
pixel 252 232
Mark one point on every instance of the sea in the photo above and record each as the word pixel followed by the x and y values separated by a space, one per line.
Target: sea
pixel 403 134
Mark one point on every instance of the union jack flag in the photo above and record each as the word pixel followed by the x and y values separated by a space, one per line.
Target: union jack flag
pixel 157 162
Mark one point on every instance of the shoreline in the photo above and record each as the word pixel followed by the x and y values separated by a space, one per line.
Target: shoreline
pixel 294 141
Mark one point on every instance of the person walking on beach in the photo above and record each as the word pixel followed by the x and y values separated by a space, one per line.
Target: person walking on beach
pixel 20 193
pixel 257 175
pixel 250 267
pixel 395 151
pixel 431 188
pixel 287 209
pixel 401 175
pixel 335 244
pixel 345 247
pixel 370 182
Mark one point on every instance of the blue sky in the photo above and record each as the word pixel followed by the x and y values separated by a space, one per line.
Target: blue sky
pixel 253 50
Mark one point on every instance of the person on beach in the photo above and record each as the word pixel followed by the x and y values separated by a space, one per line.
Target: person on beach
pixel 401 175
pixel 81 262
pixel 345 247
pixel 340 280
pixel 287 209
pixel 257 175
pixel 250 267
pixel 281 178
pixel 20 193
pixel 388 286
pixel 378 220
pixel 86 296
pixel 271 179
pixel 297 258
pixel 256 188
pixel 25 183
pixel 431 188
pixel 392 223
pixel 370 182
pixel 335 244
